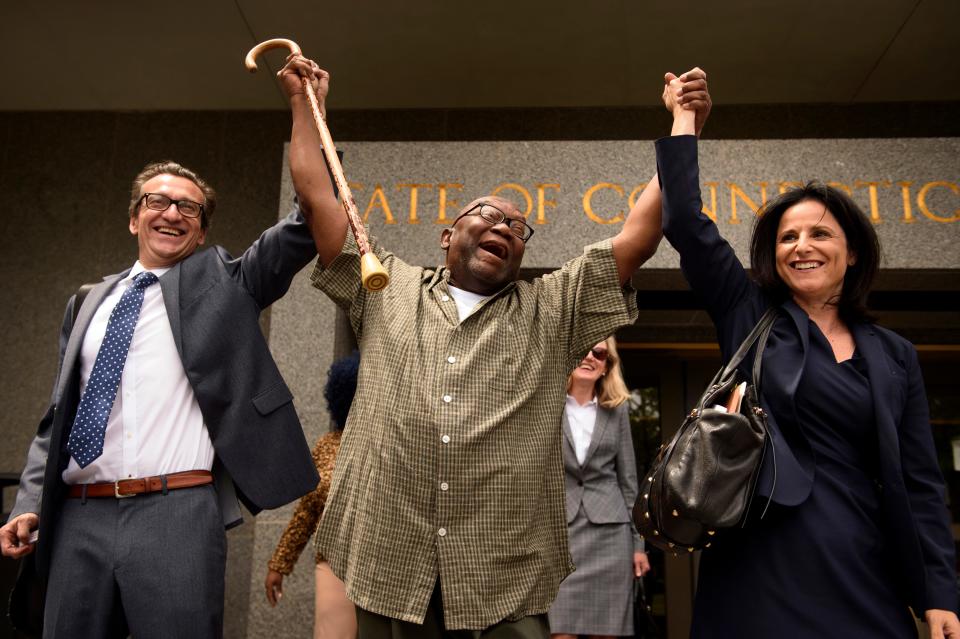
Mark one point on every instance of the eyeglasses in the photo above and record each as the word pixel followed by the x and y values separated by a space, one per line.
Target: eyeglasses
pixel 160 202
pixel 600 354
pixel 493 215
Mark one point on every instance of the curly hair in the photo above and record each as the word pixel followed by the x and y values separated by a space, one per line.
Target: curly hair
pixel 340 387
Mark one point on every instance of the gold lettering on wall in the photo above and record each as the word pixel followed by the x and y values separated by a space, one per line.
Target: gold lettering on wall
pixel 841 185
pixel 413 219
pixel 444 201
pixel 872 190
pixel 543 202
pixel 922 201
pixel 379 200
pixel 588 203
pixel 711 211
pixel 905 198
pixel 737 192
pixel 510 186
pixel 607 203
pixel 632 200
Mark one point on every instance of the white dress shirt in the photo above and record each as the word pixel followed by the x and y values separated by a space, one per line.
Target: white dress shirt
pixel 155 426
pixel 581 420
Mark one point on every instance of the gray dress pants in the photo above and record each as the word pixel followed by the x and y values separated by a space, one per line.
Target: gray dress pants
pixel 150 566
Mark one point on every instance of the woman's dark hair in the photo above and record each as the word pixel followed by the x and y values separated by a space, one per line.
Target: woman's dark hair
pixel 341 387
pixel 862 242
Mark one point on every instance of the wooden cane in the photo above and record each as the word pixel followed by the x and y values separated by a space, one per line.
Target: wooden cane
pixel 372 274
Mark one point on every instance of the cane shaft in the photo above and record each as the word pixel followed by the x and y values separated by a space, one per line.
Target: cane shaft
pixel 329 152
pixel 372 273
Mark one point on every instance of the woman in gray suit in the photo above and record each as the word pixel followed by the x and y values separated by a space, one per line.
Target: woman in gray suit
pixel 600 478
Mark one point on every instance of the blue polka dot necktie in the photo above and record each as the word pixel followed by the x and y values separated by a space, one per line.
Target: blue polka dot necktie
pixel 86 438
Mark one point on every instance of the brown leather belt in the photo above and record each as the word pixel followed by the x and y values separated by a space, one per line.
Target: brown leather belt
pixel 132 487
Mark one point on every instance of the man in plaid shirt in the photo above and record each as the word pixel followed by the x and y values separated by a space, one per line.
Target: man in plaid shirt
pixel 446 513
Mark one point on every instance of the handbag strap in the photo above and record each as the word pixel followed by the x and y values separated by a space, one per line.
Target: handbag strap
pixel 767 322
pixel 759 334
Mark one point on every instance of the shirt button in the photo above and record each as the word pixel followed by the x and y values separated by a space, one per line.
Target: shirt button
pixel 447 399
pixel 444 486
pixel 445 439
pixel 445 298
pixel 442 532
pixel 452 359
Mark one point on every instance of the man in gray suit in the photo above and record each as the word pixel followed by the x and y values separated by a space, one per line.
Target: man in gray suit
pixel 167 393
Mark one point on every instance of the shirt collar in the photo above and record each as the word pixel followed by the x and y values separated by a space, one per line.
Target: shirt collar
pixel 572 402
pixel 139 268
pixel 442 275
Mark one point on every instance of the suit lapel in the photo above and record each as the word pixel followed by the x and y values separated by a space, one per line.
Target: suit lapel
pixel 885 394
pixel 568 435
pixel 793 372
pixel 603 418
pixel 79 329
pixel 170 286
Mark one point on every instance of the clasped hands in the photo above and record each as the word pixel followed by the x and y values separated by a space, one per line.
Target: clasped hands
pixel 688 94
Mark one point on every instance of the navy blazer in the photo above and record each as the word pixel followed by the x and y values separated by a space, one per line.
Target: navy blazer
pixel 915 517
pixel 213 302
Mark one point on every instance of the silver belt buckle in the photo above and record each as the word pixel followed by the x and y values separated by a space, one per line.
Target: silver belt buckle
pixel 116 491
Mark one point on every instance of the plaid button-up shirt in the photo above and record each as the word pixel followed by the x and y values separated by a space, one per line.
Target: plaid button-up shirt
pixel 450 465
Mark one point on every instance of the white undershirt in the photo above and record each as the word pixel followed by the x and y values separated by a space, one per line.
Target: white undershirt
pixel 581 420
pixel 466 301
pixel 155 426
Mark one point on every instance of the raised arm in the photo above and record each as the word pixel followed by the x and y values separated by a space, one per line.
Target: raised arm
pixel 308 168
pixel 708 262
pixel 641 233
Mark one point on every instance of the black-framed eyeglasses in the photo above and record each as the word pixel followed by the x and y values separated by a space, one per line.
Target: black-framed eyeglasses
pixel 493 215
pixel 600 354
pixel 160 202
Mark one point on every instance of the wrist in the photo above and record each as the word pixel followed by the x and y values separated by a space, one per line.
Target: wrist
pixel 684 122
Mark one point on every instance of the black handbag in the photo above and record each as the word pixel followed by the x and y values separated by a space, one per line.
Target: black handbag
pixel 703 480
pixel 644 625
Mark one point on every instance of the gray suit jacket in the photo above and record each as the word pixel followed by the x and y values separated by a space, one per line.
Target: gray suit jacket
pixel 213 302
pixel 606 483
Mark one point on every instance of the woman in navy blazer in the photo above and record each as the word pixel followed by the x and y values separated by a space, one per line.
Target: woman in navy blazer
pixel 600 480
pixel 858 529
